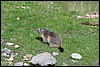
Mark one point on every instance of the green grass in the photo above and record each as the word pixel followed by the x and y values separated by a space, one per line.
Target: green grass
pixel 57 17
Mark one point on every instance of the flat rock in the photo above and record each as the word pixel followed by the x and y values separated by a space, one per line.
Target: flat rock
pixel 43 59
pixel 76 56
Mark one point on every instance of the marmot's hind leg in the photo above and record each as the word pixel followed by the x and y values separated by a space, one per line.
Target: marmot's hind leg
pixel 53 45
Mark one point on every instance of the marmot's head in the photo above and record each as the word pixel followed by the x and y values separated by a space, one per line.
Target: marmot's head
pixel 42 30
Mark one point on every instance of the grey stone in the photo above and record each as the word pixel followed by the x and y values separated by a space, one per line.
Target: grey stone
pixel 4 54
pixel 7 51
pixel 12 55
pixel 19 64
pixel 43 59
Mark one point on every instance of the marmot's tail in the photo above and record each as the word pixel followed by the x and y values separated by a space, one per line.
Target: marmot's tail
pixel 61 49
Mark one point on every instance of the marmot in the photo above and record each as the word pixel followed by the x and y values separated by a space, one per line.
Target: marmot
pixel 52 38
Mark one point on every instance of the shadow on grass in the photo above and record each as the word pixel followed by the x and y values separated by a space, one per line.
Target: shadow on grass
pixel 40 65
pixel 40 39
pixel 61 49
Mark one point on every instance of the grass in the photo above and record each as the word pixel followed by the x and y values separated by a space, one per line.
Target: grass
pixel 56 16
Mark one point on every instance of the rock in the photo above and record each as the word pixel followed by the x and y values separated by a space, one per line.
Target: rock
pixel 9 43
pixel 4 54
pixel 55 53
pixel 19 64
pixel 12 55
pixel 9 60
pixel 76 56
pixel 16 46
pixel 7 51
pixel 25 64
pixel 43 59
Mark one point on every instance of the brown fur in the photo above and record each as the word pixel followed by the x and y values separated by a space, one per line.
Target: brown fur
pixel 52 38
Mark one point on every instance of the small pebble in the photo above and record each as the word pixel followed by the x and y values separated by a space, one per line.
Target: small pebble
pixel 55 53
pixel 7 51
pixel 16 46
pixel 25 64
pixel 9 43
